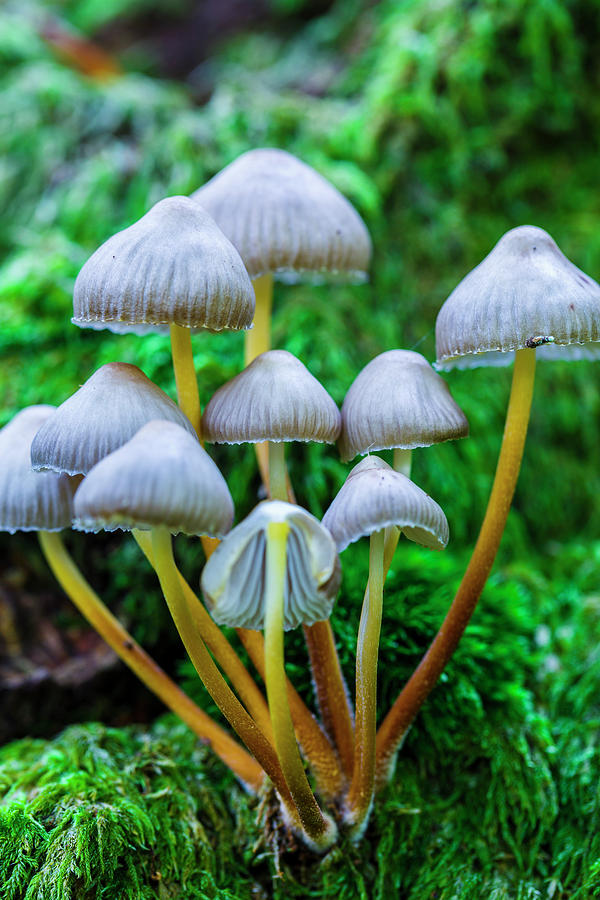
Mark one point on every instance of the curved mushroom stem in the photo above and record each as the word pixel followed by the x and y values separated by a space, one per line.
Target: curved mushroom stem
pixel 129 651
pixel 360 796
pixel 219 646
pixel 319 828
pixel 257 340
pixel 400 717
pixel 215 684
pixel 331 690
pixel 185 376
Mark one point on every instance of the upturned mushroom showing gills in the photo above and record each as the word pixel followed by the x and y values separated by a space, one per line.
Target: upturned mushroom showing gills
pixel 372 498
pixel 173 270
pixel 100 417
pixel 277 569
pixel 523 300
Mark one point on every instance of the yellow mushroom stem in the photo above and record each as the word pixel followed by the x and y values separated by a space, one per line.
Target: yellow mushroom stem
pixel 360 795
pixel 331 690
pixel 215 684
pixel 185 376
pixel 129 651
pixel 225 655
pixel 417 689
pixel 319 829
pixel 257 340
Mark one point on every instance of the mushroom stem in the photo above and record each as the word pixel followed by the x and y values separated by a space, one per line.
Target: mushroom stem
pixel 320 829
pixel 215 684
pixel 219 646
pixel 129 651
pixel 402 461
pixel 257 340
pixel 413 695
pixel 314 742
pixel 185 376
pixel 277 483
pixel 331 690
pixel 360 796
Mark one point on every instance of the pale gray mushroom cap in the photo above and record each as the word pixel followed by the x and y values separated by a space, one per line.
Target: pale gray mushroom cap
pixel 174 265
pixel 286 219
pixel 161 477
pixel 373 497
pixel 398 401
pixel 100 417
pixel 31 501
pixel 525 289
pixel 275 398
pixel 234 578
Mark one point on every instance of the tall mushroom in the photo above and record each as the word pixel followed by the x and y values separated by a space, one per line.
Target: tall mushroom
pixel 523 300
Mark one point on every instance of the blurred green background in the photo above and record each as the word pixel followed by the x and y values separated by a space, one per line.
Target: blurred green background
pixel 446 122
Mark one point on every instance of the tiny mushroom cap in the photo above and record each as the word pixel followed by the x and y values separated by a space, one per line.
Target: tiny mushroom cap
pixel 373 497
pixel 161 477
pixel 525 293
pixel 286 219
pixel 276 399
pixel 101 416
pixel 234 578
pixel 31 501
pixel 398 401
pixel 173 266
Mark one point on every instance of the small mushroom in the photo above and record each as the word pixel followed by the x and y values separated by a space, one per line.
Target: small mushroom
pixel 372 498
pixel 100 417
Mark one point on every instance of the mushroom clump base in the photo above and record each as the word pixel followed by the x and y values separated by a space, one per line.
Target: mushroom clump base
pixel 119 454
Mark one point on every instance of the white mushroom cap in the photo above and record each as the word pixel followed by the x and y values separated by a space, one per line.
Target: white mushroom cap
pixel 101 416
pixel 174 265
pixel 161 477
pixel 398 401
pixel 286 219
pixel 375 496
pixel 275 398
pixel 233 580
pixel 31 501
pixel 523 293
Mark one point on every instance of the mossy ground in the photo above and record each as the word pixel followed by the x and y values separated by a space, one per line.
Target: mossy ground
pixel 495 793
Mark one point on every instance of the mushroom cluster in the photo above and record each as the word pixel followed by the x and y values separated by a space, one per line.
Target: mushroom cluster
pixel 120 454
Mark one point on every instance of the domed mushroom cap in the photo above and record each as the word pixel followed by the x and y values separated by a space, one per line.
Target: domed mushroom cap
pixel 285 218
pixel 173 266
pixel 398 401
pixel 275 398
pixel 31 501
pixel 100 417
pixel 375 496
pixel 524 292
pixel 162 476
pixel 234 578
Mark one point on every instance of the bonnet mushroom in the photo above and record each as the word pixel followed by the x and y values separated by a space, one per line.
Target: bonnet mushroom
pixel 175 271
pixel 523 300
pixel 372 498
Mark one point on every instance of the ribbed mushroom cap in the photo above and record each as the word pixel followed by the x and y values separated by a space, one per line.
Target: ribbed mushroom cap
pixel 162 476
pixel 233 580
pixel 524 291
pixel 101 416
pixel 172 266
pixel 31 501
pixel 398 401
pixel 275 398
pixel 375 496
pixel 285 218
